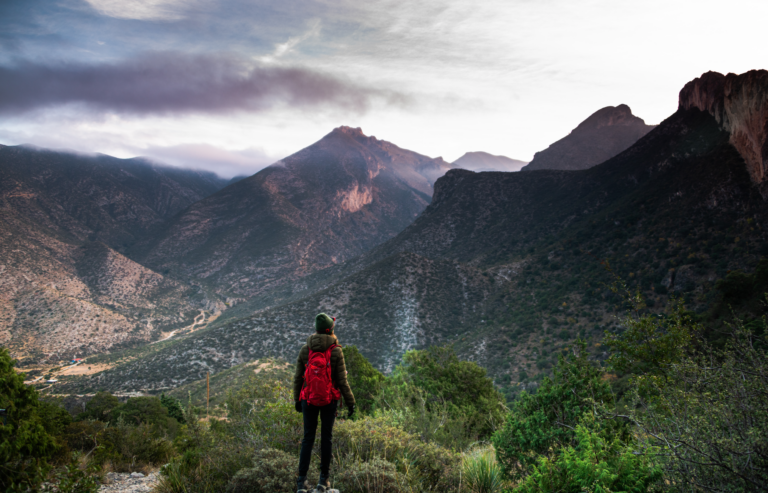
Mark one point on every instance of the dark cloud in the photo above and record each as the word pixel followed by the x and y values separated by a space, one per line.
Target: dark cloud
pixel 167 83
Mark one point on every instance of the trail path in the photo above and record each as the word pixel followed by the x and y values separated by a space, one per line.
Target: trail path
pixel 199 320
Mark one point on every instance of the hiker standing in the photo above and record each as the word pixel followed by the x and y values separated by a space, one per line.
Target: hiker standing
pixel 319 383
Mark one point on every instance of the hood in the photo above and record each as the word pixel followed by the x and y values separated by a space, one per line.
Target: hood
pixel 321 342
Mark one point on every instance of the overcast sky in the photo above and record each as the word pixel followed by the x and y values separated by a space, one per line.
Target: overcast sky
pixel 234 85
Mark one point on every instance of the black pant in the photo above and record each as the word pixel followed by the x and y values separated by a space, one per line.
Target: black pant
pixel 327 417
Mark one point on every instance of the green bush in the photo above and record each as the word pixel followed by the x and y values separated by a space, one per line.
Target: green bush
pixel 273 471
pixel 364 379
pixel 481 472
pixel 100 407
pixel 127 447
pixel 427 466
pixel 595 463
pixel 540 424
pixel 25 445
pixel 374 476
pixel 442 398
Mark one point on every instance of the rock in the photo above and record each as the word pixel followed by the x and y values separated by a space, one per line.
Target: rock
pixel 739 103
pixel 137 475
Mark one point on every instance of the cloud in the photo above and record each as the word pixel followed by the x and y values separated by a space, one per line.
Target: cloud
pixel 174 83
pixel 223 162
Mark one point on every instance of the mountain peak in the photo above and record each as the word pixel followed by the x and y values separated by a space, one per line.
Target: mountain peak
pixel 353 131
pixel 739 103
pixel 611 116
pixel 483 161
pixel 604 134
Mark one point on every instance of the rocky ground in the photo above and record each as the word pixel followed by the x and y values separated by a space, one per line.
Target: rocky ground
pixel 134 482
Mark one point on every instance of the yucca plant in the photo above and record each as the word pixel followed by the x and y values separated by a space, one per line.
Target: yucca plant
pixel 482 474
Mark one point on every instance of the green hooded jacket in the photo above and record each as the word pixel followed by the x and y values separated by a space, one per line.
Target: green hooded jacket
pixel 321 343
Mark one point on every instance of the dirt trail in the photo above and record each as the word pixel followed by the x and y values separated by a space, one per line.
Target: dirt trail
pixel 199 320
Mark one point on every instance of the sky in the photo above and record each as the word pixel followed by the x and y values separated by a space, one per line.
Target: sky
pixel 232 86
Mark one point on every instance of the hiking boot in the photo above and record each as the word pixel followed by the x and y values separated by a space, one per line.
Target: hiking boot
pixel 324 484
pixel 303 487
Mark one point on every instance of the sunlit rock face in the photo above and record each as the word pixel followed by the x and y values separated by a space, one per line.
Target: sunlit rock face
pixel 325 204
pixel 603 135
pixel 739 103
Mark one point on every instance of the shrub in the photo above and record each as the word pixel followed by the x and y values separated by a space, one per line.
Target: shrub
pixel 710 415
pixel 442 398
pixel 127 447
pixel 374 476
pixel 540 424
pixel 173 408
pixel 262 415
pixel 25 445
pixel 481 472
pixel 274 471
pixel 427 466
pixel 99 407
pixel 595 463
pixel 364 379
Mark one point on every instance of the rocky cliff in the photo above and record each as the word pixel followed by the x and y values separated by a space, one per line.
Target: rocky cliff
pixel 739 103
pixel 606 133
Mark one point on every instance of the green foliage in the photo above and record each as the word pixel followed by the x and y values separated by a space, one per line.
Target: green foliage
pixel 595 463
pixel 143 410
pixel 651 342
pixel 374 476
pixel 173 406
pixel 481 472
pixel 442 398
pixel 74 479
pixel 364 379
pixel 273 471
pixel 710 418
pixel 427 466
pixel 25 445
pixel 262 415
pixel 127 446
pixel 100 407
pixel 541 424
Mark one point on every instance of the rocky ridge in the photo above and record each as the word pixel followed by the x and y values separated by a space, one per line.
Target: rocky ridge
pixel 321 206
pixel 606 133
pixel 739 103
pixel 482 161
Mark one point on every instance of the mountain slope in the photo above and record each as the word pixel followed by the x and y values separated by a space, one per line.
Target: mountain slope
pixel 64 288
pixel 482 161
pixel 321 206
pixel 603 135
pixel 117 201
pixel 507 266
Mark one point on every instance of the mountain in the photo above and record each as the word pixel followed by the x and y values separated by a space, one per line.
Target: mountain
pixel 65 287
pixel 318 207
pixel 482 161
pixel 739 103
pixel 510 268
pixel 606 133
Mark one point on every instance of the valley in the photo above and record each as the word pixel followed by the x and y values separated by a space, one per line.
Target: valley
pixel 507 268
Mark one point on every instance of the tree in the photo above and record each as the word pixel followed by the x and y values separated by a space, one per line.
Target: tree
pixel 541 424
pixel 25 445
pixel 100 407
pixel 364 379
pixel 451 401
pixel 174 408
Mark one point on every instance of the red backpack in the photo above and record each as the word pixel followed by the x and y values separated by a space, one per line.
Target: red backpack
pixel 318 385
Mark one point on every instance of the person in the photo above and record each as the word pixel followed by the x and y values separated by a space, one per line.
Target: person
pixel 317 347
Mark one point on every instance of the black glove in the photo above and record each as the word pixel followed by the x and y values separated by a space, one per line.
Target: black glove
pixel 351 409
pixel 298 407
